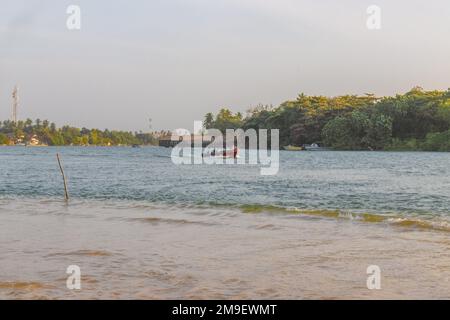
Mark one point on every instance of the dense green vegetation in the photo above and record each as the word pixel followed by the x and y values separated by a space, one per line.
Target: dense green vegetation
pixel 46 133
pixel 417 120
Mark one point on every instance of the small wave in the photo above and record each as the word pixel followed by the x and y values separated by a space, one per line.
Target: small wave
pixel 266 227
pixel 24 285
pixel 421 224
pixel 155 220
pixel 88 253
pixel 406 222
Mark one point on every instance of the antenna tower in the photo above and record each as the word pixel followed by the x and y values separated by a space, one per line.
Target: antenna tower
pixel 15 96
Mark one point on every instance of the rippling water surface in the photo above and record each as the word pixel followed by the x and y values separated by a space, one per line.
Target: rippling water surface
pixel 140 227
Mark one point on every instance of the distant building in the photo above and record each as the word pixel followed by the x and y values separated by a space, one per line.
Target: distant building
pixel 34 141
pixel 171 140
pixel 20 140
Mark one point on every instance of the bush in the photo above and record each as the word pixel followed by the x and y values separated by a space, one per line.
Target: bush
pixel 437 141
pixel 3 139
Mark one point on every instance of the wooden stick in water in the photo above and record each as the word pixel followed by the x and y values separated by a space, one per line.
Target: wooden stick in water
pixel 64 177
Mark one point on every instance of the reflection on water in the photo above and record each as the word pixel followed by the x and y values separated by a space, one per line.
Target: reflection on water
pixel 140 227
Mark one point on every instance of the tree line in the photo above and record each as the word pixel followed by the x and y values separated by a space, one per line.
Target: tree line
pixel 47 133
pixel 416 120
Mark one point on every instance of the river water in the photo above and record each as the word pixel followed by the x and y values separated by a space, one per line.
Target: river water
pixel 139 226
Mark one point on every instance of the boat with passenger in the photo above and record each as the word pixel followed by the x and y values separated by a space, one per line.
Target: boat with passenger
pixel 314 147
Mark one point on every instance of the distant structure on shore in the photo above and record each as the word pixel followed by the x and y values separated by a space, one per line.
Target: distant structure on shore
pixel 171 140
pixel 15 104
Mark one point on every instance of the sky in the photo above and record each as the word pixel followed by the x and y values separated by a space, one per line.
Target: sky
pixel 172 61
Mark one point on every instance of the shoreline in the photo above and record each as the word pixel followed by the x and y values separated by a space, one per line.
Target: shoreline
pixel 396 220
pixel 289 151
pixel 201 253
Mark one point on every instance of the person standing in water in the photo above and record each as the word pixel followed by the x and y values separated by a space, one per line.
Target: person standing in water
pixel 235 152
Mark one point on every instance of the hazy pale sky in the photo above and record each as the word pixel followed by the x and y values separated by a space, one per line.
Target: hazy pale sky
pixel 175 60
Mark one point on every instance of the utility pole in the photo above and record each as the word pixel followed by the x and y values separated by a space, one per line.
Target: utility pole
pixel 15 96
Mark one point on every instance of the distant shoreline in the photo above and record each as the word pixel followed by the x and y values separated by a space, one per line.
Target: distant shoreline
pixel 286 151
pixel 76 146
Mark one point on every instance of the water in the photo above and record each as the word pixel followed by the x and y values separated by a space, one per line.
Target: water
pixel 140 227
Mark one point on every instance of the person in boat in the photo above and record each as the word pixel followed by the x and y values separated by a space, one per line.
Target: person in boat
pixel 228 153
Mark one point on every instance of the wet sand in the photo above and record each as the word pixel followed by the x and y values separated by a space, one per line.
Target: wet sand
pixel 130 250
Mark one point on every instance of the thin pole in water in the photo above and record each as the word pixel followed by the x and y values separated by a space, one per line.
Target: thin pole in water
pixel 64 177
